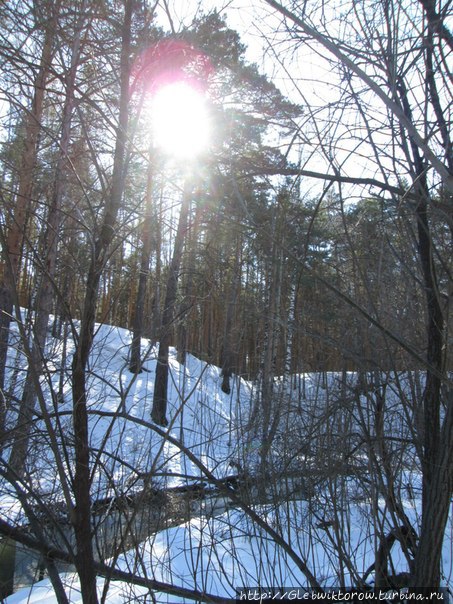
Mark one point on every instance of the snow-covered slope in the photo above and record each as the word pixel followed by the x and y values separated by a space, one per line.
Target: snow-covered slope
pixel 216 550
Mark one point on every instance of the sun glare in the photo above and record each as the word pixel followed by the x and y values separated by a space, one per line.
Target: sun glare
pixel 180 120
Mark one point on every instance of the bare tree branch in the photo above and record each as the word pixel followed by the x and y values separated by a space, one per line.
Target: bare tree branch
pixel 393 107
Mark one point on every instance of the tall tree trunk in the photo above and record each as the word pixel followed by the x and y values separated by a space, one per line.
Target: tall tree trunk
pixel 270 410
pixel 81 516
pixel 47 270
pixel 229 356
pixel 135 365
pixel 15 235
pixel 156 313
pixel 159 410
pixel 437 443
pixel 437 451
pixel 188 289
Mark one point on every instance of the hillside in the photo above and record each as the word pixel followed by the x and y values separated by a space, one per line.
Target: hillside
pixel 251 530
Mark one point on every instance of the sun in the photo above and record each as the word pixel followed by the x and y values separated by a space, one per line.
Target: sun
pixel 180 120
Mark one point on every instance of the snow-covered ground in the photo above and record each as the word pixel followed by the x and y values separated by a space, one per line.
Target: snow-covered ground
pixel 332 531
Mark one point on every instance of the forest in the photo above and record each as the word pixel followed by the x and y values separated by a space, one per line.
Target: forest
pixel 226 235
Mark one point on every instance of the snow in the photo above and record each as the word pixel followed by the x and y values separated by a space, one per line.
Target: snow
pixel 219 548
